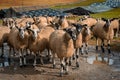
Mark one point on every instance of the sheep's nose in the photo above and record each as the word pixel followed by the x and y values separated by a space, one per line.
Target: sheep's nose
pixel 74 37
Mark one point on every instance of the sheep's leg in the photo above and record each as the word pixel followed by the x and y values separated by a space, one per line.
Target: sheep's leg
pixel 62 66
pixel 41 60
pixel 96 44
pixel 2 49
pixel 49 55
pixel 109 51
pixel 103 50
pixel 77 56
pixel 20 57
pixel 86 48
pixel 34 64
pixel 116 32
pixel 108 47
pixel 53 60
pixel 81 50
pixel 73 57
pixel 70 61
pixel 66 66
pixel 24 57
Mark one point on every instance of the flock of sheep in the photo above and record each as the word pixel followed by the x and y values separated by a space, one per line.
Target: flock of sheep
pixel 60 36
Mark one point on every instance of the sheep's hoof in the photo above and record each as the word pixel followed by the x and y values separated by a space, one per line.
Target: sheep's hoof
pixel 2 56
pixel 66 73
pixel 24 65
pixel 73 58
pixel 70 63
pixel 77 64
pixel 61 74
pixel 54 66
pixel 64 68
pixel 87 53
pixel 81 53
pixel 21 66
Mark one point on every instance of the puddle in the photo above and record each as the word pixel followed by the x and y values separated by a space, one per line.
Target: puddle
pixel 113 63
pixel 92 59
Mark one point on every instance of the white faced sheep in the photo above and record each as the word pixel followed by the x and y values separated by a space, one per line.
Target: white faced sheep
pixel 18 39
pixel 61 44
pixel 39 39
pixel 104 31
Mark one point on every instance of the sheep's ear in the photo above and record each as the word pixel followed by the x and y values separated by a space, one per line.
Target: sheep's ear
pixel 65 29
pixel 38 30
pixel 104 19
pixel 84 25
pixel 51 22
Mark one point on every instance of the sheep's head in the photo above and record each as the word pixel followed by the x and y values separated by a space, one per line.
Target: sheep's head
pixel 32 28
pixel 107 24
pixel 71 32
pixel 78 27
pixel 87 30
pixel 55 25
pixel 22 31
pixel 35 33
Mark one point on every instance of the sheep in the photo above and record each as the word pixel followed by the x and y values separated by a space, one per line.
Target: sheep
pixel 104 31
pixel 39 39
pixel 116 25
pixel 18 39
pixel 62 44
pixel 61 22
pixel 40 21
pixel 83 35
pixel 89 21
pixel 3 37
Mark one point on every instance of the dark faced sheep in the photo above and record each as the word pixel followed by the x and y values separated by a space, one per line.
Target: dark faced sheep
pixel 61 44
pixel 104 31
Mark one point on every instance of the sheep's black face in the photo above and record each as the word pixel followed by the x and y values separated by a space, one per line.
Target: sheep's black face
pixel 72 33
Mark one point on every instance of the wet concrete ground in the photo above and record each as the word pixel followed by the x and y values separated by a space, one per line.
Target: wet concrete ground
pixel 92 67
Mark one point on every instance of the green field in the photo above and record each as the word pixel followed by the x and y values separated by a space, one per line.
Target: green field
pixel 108 14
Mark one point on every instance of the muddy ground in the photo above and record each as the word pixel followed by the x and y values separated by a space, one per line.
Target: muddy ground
pixel 90 69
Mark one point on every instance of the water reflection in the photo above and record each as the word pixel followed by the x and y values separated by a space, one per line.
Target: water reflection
pixel 97 58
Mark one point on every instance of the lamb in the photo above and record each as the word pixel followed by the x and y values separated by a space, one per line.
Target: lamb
pixel 104 31
pixel 61 44
pixel 39 39
pixel 18 39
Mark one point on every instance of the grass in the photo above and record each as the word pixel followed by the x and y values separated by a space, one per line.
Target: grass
pixel 83 3
pixel 108 14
